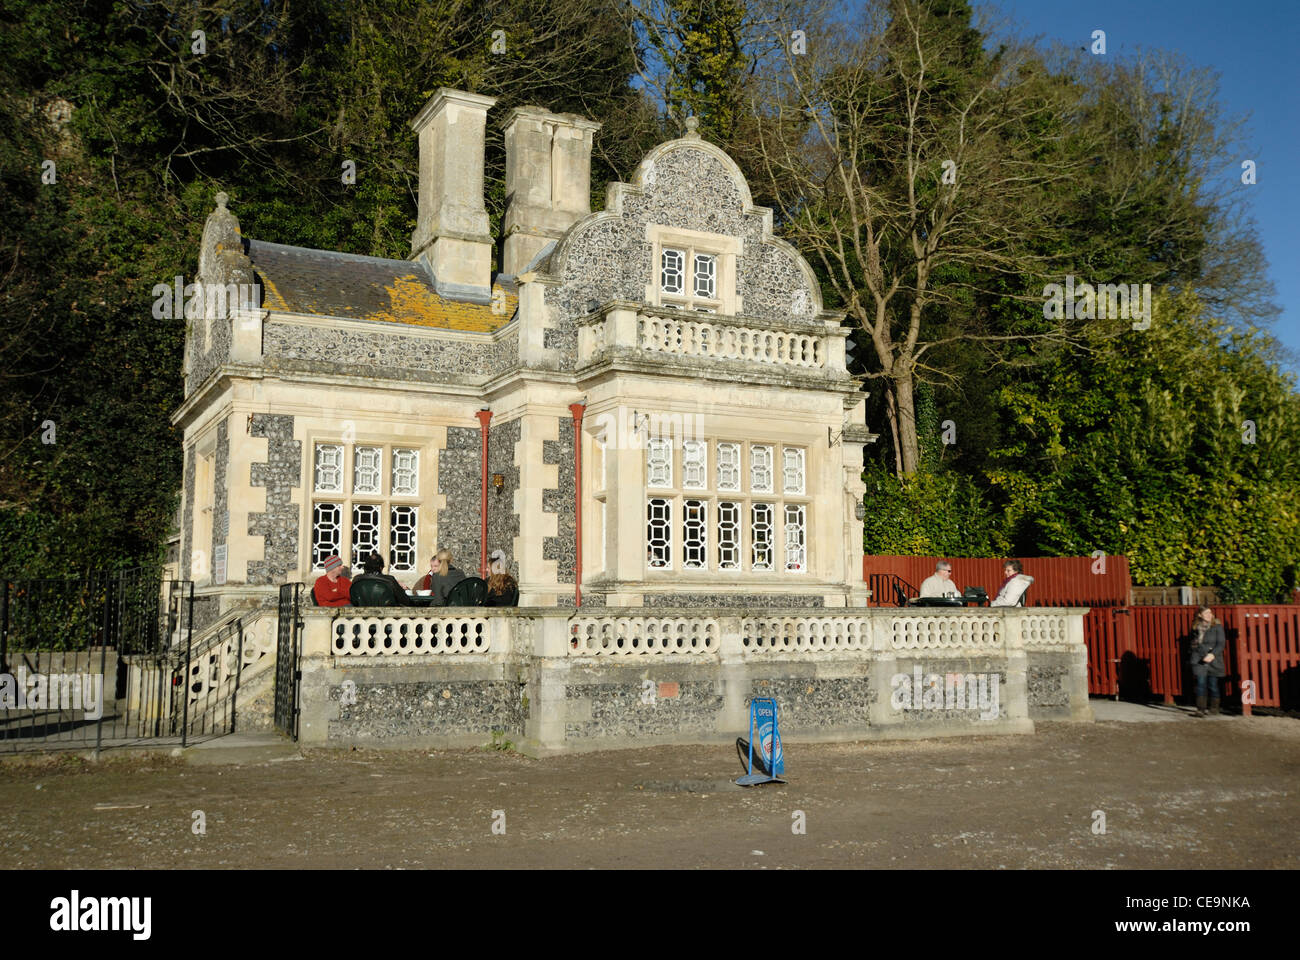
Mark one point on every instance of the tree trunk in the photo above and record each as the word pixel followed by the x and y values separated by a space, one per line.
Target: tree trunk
pixel 905 418
pixel 891 414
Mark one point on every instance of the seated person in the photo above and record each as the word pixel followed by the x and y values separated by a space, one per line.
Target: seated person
pixel 939 583
pixel 442 576
pixel 426 581
pixel 503 591
pixel 1013 587
pixel 374 588
pixel 333 589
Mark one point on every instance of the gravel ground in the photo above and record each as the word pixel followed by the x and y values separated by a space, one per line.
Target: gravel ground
pixel 1191 793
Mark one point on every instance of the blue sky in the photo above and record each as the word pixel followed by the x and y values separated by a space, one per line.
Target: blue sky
pixel 1253 47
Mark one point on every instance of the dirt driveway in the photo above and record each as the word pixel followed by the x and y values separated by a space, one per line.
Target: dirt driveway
pixel 1182 794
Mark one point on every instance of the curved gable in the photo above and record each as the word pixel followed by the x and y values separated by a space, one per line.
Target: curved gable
pixel 689 186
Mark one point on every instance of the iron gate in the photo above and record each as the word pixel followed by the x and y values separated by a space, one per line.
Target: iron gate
pixel 102 660
pixel 287 671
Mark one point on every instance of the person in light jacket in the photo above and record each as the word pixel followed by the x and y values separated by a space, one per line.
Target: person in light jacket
pixel 1013 587
pixel 939 583
pixel 1205 655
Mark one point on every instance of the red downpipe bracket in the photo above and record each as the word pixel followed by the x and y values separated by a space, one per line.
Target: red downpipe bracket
pixel 577 409
pixel 484 418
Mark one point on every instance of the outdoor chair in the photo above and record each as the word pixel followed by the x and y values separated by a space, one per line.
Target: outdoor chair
pixel 470 592
pixel 374 592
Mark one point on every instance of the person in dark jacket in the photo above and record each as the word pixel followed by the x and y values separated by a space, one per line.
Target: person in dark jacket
pixel 362 588
pixel 503 591
pixel 1205 654
pixel 443 575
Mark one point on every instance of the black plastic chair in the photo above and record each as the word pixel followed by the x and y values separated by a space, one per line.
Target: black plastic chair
pixel 374 592
pixel 470 592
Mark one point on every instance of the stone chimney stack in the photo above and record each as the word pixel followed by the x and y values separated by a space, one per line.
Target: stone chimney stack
pixel 451 231
pixel 548 180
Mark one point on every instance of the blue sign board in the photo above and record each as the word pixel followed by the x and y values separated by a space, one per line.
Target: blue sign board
pixel 765 734
pixel 765 741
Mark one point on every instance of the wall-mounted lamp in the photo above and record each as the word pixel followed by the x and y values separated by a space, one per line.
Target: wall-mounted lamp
pixel 499 481
pixel 860 511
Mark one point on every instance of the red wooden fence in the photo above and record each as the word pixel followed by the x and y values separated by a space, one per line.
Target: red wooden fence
pixel 1058 581
pixel 1263 642
pixel 1133 645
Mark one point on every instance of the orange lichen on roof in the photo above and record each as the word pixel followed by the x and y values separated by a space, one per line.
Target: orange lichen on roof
pixel 411 301
pixel 271 298
pixel 324 284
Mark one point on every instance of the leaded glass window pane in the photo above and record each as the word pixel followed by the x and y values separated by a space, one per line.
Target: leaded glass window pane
pixel 695 534
pixel 365 531
pixel 401 539
pixel 760 469
pixel 367 468
pixel 406 472
pixel 728 466
pixel 792 469
pixel 326 532
pixel 728 535
pixel 796 551
pixel 329 468
pixel 695 467
pixel 760 515
pixel 672 269
pixel 706 270
pixel 659 536
pixel 659 462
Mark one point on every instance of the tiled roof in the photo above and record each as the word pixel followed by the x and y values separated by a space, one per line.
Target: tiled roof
pixel 327 284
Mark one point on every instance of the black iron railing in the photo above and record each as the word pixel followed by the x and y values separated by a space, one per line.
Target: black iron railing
pixel 100 660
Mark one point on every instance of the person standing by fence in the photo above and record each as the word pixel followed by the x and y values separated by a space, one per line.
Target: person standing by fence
pixel 1205 654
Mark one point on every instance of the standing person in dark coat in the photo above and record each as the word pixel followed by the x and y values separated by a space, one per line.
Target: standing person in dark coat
pixel 1205 654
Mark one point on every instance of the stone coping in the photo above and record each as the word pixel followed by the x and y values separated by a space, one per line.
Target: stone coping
pixel 659 613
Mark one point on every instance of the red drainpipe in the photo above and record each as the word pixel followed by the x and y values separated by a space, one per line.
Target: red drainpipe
pixel 484 418
pixel 577 409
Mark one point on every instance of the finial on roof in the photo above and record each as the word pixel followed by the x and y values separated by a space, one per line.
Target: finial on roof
pixel 222 197
pixel 692 126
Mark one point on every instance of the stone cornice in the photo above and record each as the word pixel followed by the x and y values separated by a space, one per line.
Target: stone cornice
pixel 713 368
pixel 352 324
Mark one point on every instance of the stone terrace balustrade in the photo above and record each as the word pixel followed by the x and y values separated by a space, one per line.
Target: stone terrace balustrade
pixel 556 680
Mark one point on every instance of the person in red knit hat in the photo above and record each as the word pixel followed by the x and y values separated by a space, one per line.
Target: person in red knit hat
pixel 332 589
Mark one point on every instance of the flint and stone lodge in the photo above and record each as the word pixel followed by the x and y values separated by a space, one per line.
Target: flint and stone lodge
pixel 647 408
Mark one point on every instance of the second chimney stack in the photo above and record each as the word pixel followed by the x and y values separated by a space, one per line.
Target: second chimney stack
pixel 548 180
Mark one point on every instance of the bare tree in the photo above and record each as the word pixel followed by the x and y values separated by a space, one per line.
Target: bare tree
pixel 912 167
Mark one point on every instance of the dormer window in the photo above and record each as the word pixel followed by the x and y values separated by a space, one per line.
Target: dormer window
pixel 688 278
pixel 694 270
